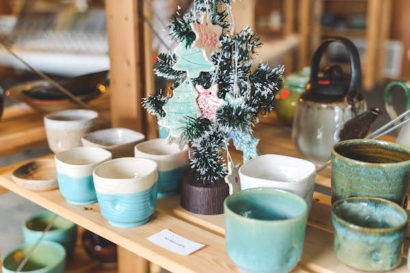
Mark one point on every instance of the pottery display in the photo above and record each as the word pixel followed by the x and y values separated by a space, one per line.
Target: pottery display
pixel 369 233
pixel 404 133
pixel 265 229
pixel 172 163
pixel 74 173
pixel 327 104
pixel 64 129
pixel 119 141
pixel 62 231
pixel 280 172
pixel 37 175
pixel 99 248
pixel 48 257
pixel 286 99
pixel 127 190
pixel 370 168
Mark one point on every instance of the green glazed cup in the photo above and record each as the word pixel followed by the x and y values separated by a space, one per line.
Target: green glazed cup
pixel 371 168
pixel 48 257
pixel 369 233
pixel 62 231
pixel 265 229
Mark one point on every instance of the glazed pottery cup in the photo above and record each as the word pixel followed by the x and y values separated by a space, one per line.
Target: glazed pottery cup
pixel 280 172
pixel 127 190
pixel 119 141
pixel 370 168
pixel 369 233
pixel 64 129
pixel 172 163
pixel 48 257
pixel 74 173
pixel 62 231
pixel 265 229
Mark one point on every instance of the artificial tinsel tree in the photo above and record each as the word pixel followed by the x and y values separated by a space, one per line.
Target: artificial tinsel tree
pixel 217 93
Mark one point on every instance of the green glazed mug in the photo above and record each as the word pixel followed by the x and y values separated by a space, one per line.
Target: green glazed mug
pixel 369 233
pixel 404 133
pixel 265 229
pixel 372 168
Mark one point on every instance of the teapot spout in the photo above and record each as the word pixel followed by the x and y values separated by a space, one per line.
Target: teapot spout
pixel 359 126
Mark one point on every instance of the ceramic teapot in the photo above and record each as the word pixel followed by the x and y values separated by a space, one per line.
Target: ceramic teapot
pixel 404 133
pixel 328 102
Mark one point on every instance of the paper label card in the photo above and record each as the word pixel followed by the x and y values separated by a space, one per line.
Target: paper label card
pixel 175 243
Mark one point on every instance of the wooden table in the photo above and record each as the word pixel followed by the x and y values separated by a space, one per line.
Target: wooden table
pixel 318 255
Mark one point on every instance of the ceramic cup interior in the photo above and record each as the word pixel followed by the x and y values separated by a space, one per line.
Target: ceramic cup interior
pixel 370 213
pixel 266 204
pixel 83 156
pixel 40 222
pixel 159 147
pixel 278 168
pixel 45 258
pixel 75 115
pixel 113 136
pixel 125 168
pixel 369 151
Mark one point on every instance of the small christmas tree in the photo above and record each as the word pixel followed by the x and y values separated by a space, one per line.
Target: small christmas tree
pixel 228 94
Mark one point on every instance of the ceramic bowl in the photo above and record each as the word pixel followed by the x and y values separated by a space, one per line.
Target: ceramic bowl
pixel 119 141
pixel 280 172
pixel 172 163
pixel 64 129
pixel 48 257
pixel 369 233
pixel 74 172
pixel 37 175
pixel 62 231
pixel 370 168
pixel 99 248
pixel 265 229
pixel 127 190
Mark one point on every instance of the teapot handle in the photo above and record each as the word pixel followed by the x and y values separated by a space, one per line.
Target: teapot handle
pixel 356 80
pixel 388 100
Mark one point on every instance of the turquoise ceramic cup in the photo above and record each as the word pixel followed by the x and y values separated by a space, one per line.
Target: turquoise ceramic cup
pixel 74 173
pixel 62 231
pixel 363 167
pixel 172 163
pixel 48 257
pixel 265 229
pixel 369 233
pixel 127 190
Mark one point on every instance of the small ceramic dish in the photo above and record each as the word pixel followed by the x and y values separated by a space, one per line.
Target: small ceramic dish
pixel 37 175
pixel 119 141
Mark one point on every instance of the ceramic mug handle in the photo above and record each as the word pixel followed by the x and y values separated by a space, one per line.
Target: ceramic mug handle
pixel 388 100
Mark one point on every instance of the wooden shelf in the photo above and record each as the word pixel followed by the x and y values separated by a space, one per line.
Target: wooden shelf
pixel 21 128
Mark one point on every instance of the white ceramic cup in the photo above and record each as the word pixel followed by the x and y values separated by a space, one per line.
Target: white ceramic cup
pixel 64 129
pixel 280 172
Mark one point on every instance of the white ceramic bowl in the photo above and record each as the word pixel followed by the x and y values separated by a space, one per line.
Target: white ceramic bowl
pixel 119 141
pixel 37 175
pixel 280 172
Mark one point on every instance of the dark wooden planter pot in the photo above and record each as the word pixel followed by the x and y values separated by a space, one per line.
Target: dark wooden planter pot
pixel 203 199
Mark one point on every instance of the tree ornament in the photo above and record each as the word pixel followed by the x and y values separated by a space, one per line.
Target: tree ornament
pixel 232 179
pixel 179 107
pixel 207 35
pixel 208 101
pixel 191 60
pixel 245 142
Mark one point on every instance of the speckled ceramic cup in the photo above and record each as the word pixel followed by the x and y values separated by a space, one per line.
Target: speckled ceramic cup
pixel 265 229
pixel 369 233
pixel 370 168
pixel 64 129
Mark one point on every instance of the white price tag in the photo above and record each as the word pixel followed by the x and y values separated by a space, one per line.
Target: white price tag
pixel 175 243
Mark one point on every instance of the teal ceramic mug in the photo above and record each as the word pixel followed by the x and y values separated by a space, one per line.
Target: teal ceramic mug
pixel 372 168
pixel 265 229
pixel 369 233
pixel 48 257
pixel 62 231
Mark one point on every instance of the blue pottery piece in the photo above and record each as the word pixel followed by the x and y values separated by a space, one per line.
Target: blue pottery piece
pixel 168 181
pixel 62 231
pixel 265 230
pixel 128 210
pixel 77 190
pixel 370 168
pixel 48 257
pixel 369 233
